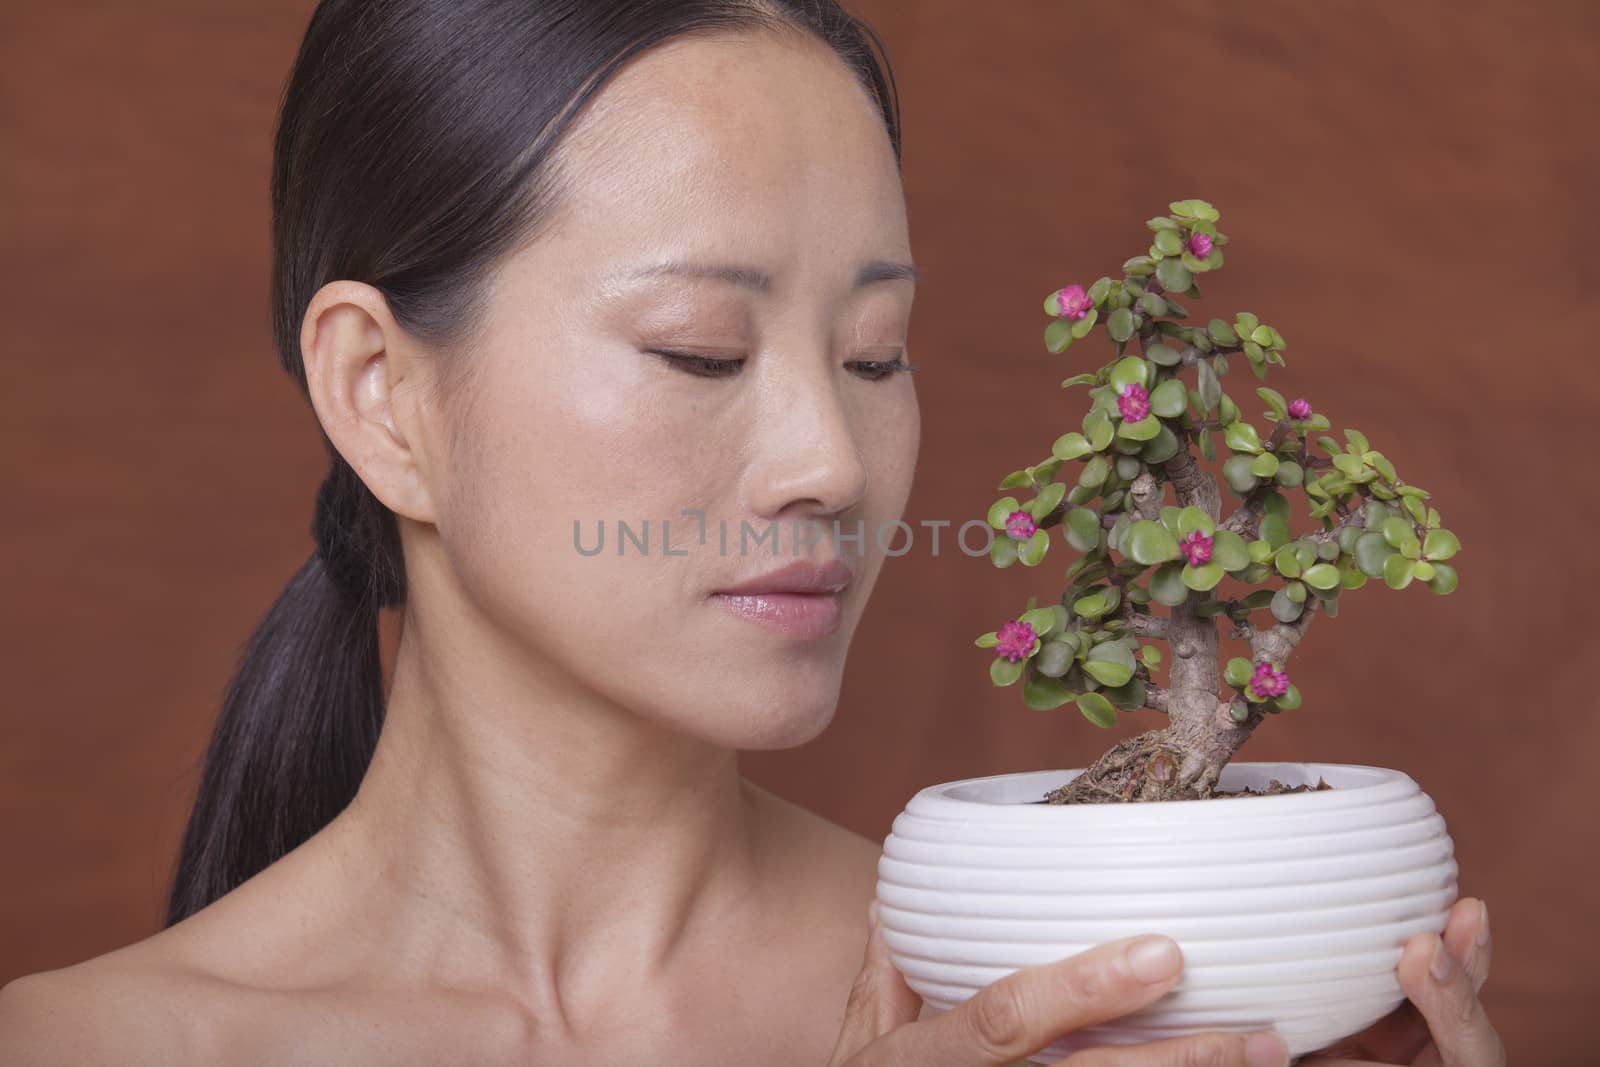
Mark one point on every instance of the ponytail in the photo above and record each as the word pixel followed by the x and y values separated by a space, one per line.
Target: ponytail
pixel 300 719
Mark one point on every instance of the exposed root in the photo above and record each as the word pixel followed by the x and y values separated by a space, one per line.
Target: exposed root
pixel 1137 769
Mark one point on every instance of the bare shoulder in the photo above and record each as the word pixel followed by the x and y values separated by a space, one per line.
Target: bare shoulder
pixel 125 1007
pixel 836 861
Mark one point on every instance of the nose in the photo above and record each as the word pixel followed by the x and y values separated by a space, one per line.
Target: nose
pixel 808 462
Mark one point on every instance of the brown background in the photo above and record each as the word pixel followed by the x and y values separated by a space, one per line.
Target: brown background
pixel 1409 187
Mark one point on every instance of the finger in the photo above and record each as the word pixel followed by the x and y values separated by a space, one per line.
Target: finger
pixel 1213 1049
pixel 880 1001
pixel 1025 1011
pixel 1466 935
pixel 1443 992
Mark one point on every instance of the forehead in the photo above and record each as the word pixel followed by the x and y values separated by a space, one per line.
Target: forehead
pixel 748 143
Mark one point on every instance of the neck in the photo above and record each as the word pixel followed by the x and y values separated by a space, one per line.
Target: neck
pixel 530 833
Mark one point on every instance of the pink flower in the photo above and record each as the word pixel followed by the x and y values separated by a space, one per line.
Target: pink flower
pixel 1300 409
pixel 1016 641
pixel 1196 548
pixel 1074 302
pixel 1268 681
pixel 1200 244
pixel 1134 402
pixel 1020 524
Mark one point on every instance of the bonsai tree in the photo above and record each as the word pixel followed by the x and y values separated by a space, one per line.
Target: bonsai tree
pixel 1159 560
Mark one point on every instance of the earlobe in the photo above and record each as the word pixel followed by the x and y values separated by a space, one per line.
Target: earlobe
pixel 350 343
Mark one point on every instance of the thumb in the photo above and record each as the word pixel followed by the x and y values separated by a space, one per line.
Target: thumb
pixel 880 1001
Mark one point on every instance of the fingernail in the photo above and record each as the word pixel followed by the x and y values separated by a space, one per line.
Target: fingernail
pixel 1266 1049
pixel 1483 924
pixel 1153 959
pixel 1441 965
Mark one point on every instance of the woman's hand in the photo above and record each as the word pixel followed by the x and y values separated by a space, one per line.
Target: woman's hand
pixel 1025 1011
pixel 1441 1024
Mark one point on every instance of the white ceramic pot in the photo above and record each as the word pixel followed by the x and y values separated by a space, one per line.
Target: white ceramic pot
pixel 1291 909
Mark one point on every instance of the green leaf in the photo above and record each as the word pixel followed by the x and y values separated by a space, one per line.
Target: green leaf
pixel 1210 388
pixel 1283 608
pixel 1162 355
pixel 1358 441
pixel 1058 335
pixel 1236 472
pixel 1129 370
pixel 1192 518
pixel 1264 465
pixel 1395 531
pixel 1170 399
pixel 1204 577
pixel 1082 529
pixel 1444 579
pixel 1000 509
pixel 1129 696
pixel 1097 709
pixel 1160 448
pixel 1094 472
pixel 1237 672
pixel 1229 551
pixel 1016 480
pixel 1274 400
pixel 1322 576
pixel 1046 501
pixel 1030 553
pixel 1398 571
pixel 1221 333
pixel 1043 620
pixel 1290 474
pixel 1092 606
pixel 1290 698
pixel 1173 276
pixel 1242 437
pixel 1149 542
pixel 988 640
pixel 1055 658
pixel 1077 379
pixel 1004 671
pixel 1372 553
pixel 1287 562
pixel 1043 693
pixel 1146 429
pixel 1070 446
pixel 1120 324
pixel 1440 544
pixel 1166 585
pixel 1275 530
pixel 1168 243
pixel 1106 672
pixel 1150 656
pixel 1003 552
pixel 1100 290
pixel 1081 328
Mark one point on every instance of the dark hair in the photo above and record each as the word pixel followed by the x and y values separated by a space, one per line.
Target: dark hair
pixel 413 150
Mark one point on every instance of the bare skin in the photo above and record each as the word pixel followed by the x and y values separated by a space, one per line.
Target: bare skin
pixel 553 858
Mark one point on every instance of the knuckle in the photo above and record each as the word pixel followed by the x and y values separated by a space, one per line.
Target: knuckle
pixel 1085 985
pixel 1211 1050
pixel 997 1020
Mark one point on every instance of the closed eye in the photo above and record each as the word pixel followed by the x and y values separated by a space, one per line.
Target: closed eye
pixel 872 370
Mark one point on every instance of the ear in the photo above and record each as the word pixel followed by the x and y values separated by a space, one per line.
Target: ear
pixel 364 375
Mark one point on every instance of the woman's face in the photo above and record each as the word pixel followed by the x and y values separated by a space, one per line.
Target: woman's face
pixel 749 152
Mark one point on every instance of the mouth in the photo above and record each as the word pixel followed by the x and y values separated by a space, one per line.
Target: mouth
pixel 803 615
pixel 804 599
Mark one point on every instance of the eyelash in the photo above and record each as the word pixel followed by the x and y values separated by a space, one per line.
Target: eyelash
pixel 708 367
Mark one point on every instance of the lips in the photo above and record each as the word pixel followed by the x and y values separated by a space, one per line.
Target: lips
pixel 803 600
pixel 801 576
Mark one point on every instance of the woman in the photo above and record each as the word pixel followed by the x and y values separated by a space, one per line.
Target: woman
pixel 541 267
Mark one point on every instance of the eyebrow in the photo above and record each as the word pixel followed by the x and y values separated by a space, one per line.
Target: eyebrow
pixel 878 270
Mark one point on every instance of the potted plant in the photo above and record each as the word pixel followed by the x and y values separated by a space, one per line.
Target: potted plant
pixel 1293 897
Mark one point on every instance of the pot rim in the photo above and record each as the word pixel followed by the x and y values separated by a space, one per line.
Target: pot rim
pixel 982 799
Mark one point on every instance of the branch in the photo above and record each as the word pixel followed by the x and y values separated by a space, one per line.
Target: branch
pixel 1246 521
pixel 1278 643
pixel 1145 493
pixel 1192 484
pixel 1156 698
pixel 1155 627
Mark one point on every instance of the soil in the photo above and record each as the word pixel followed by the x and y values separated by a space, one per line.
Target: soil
pixel 1273 788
